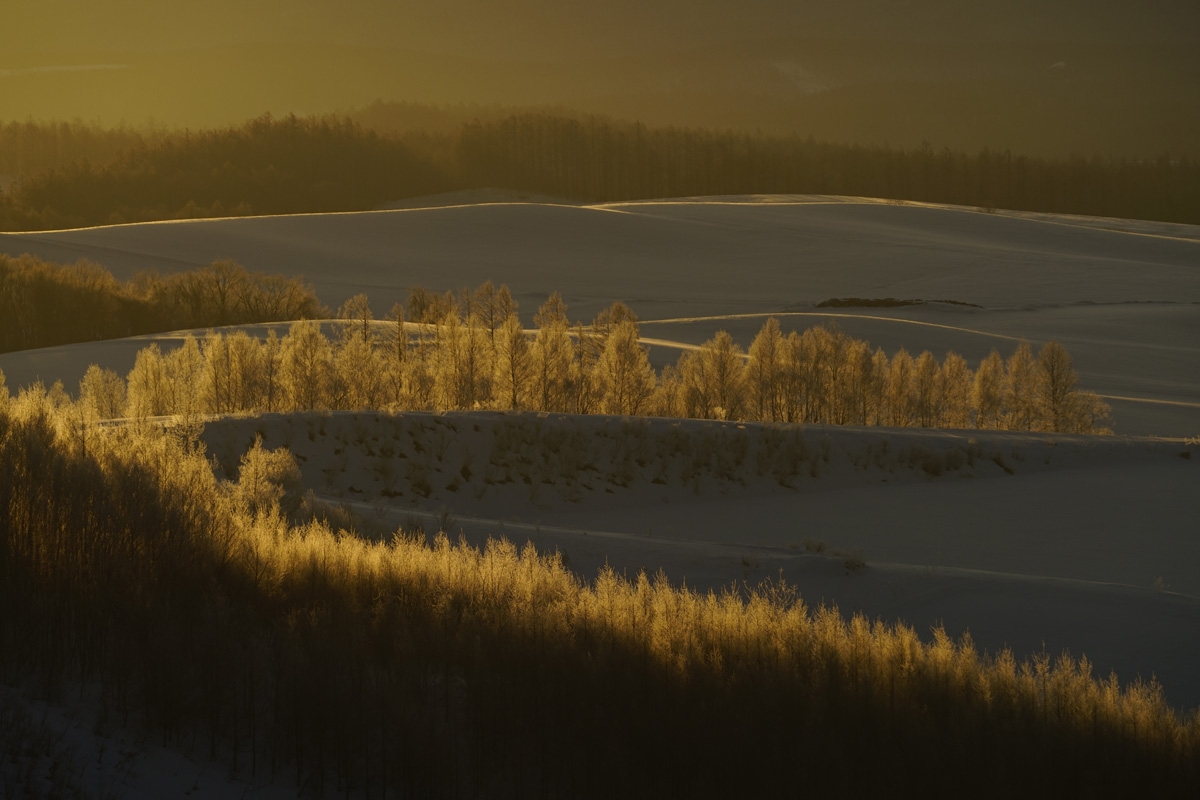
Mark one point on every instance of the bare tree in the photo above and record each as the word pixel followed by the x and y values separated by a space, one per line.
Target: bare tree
pixel 101 394
pixel 901 403
pixel 764 373
pixel 305 367
pixel 1054 386
pixel 149 392
pixel 956 380
pixel 714 379
pixel 552 357
pixel 987 394
pixel 357 313
pixel 626 377
pixel 1020 386
pixel 514 366
pixel 927 391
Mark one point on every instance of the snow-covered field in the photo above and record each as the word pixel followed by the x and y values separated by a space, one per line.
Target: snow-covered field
pixel 1081 543
pixel 1025 540
pixel 1124 297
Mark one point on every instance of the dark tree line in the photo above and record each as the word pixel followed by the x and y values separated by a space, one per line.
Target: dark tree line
pixel 276 166
pixel 267 166
pixel 43 305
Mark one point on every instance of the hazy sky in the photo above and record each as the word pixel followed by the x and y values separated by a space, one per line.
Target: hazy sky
pixel 1031 75
pixel 554 27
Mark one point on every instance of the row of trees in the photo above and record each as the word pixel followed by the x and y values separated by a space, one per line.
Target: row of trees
pixel 273 166
pixel 267 166
pixel 42 305
pixel 203 619
pixel 471 351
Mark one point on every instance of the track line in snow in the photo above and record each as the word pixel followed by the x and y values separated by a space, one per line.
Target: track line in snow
pixel 780 314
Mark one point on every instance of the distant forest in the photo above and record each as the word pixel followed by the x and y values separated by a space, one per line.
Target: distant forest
pixel 72 175
pixel 45 305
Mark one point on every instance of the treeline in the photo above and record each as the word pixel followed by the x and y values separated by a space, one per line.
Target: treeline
pixel 470 351
pixel 29 148
pixel 43 305
pixel 291 653
pixel 276 166
pixel 267 166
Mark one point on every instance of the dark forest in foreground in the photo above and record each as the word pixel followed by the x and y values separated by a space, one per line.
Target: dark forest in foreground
pixel 207 618
pixel 76 175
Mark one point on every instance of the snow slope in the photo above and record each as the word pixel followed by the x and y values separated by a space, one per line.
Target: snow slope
pixel 1123 296
pixel 1080 543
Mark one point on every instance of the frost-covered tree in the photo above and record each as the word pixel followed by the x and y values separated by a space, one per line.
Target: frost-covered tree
pixel 1020 390
pixel 514 365
pixel 463 370
pixel 956 382
pixel 625 375
pixel 1054 386
pixel 305 367
pixel 359 371
pixel 552 355
pixel 358 320
pixel 927 391
pixel 667 400
pixel 900 395
pixel 714 380
pixel 101 394
pixel 396 358
pixel 249 371
pixel 764 374
pixel 269 481
pixel 987 392
pixel 183 368
pixel 148 392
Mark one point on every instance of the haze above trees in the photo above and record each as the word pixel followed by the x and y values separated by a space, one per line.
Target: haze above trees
pixel 1112 78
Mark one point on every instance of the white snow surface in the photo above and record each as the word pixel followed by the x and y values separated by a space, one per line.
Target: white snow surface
pixel 1123 296
pixel 1086 544
pixel 1078 543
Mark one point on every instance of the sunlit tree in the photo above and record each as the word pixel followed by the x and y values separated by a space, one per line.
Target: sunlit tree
pixel 764 370
pixel 1020 390
pixel 514 365
pixel 101 394
pixel 988 392
pixel 626 377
